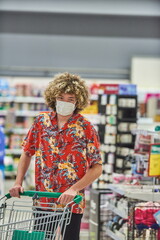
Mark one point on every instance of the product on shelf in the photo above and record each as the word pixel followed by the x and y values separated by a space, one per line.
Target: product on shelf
pixel 142 143
pixel 19 105
pixel 99 214
pixel 4 88
pixel 132 215
pixel 117 108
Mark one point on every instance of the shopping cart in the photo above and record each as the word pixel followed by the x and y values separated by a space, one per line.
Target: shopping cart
pixel 22 219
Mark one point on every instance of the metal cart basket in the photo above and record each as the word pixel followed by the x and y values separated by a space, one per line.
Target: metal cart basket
pixel 23 220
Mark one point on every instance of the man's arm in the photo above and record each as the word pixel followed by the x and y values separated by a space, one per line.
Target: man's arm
pixel 22 169
pixel 93 173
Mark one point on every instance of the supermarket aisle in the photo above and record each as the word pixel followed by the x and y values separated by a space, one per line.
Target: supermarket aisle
pixel 84 233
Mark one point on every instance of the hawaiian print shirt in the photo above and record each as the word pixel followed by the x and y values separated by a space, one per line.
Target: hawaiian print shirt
pixel 62 156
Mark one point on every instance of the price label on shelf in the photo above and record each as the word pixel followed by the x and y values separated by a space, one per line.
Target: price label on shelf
pixel 154 160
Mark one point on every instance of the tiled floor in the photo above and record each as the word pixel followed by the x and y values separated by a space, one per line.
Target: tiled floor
pixel 9 183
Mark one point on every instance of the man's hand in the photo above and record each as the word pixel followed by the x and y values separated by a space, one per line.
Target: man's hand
pixel 67 196
pixel 15 190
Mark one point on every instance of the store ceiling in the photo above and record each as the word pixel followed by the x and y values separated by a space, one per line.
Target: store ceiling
pixel 96 38
pixel 104 7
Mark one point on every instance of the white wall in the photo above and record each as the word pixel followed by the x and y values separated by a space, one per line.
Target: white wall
pixel 145 72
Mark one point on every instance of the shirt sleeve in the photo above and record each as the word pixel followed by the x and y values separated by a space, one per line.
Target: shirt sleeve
pixel 93 147
pixel 30 142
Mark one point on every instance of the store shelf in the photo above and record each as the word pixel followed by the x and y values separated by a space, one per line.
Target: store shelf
pixel 148 195
pixel 122 108
pixel 120 156
pixel 29 99
pixel 146 132
pixel 22 99
pixel 7 99
pixel 143 193
pixel 13 151
pixel 17 130
pixel 3 112
pixel 94 118
pixel 121 213
pixel 123 132
pixel 114 236
pixel 10 174
pixel 127 120
pixel 21 113
pixel 24 113
pixel 125 144
pixel 116 189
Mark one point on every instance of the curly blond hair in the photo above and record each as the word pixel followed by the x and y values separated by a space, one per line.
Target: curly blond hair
pixel 67 83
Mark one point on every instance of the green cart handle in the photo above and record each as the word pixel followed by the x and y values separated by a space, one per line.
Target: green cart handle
pixel 157 128
pixel 77 198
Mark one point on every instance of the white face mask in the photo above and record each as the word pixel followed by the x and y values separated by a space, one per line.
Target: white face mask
pixel 64 108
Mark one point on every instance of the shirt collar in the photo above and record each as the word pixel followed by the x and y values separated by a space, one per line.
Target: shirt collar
pixel 73 118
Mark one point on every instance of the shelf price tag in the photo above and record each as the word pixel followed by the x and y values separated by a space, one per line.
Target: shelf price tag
pixel 154 160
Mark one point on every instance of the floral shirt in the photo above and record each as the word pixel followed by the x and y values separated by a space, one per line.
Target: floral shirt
pixel 62 156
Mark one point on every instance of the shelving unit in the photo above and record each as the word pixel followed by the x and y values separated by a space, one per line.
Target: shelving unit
pixel 99 214
pixel 126 122
pixel 130 196
pixel 13 151
pixel 107 110
pixel 118 117
pixel 22 99
pixel 122 213
pixel 17 130
pixel 142 192
pixel 114 236
pixel 17 114
pixel 20 113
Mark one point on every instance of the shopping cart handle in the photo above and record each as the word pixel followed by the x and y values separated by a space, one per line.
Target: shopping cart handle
pixel 77 198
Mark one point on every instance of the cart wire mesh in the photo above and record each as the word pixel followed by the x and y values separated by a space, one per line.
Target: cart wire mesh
pixel 22 220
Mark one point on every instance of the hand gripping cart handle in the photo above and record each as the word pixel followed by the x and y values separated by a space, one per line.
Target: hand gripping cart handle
pixel 34 218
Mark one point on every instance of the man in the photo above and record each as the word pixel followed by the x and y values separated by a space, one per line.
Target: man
pixel 66 147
